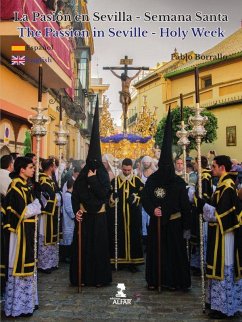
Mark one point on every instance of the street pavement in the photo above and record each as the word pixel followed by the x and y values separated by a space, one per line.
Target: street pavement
pixel 58 301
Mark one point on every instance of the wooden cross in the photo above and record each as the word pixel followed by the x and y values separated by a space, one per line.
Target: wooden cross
pixel 125 98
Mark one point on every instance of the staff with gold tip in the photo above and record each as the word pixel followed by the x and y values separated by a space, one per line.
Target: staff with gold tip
pixel 183 142
pixel 116 162
pixel 38 130
pixel 61 141
pixel 198 132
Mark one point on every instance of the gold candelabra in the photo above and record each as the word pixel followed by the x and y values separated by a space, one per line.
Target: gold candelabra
pixel 146 123
pixel 106 122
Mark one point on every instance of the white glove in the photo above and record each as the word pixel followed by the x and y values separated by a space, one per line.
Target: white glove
pixel 191 192
pixel 33 209
pixel 209 213
pixel 58 197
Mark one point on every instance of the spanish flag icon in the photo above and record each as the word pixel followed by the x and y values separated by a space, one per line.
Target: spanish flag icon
pixel 18 48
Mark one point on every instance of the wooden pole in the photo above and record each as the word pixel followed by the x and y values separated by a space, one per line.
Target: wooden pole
pixel 79 256
pixel 159 255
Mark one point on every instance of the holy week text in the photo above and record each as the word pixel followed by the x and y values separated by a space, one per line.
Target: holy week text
pixel 133 32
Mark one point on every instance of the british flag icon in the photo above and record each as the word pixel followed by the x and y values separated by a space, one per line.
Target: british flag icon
pixel 18 60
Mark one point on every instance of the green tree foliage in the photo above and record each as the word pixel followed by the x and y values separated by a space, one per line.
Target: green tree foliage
pixel 27 143
pixel 211 127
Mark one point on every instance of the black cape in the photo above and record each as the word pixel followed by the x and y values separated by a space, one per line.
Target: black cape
pixel 91 194
pixel 174 203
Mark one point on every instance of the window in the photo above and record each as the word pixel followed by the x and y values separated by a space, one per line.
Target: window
pixel 206 81
pixel 82 55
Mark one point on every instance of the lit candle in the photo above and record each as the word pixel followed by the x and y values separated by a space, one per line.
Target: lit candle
pixel 40 84
pixel 181 106
pixel 197 84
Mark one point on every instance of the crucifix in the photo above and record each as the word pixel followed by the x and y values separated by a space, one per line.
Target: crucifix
pixel 125 98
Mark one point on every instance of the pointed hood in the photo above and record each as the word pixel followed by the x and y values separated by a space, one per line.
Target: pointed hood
pixel 166 165
pixel 94 152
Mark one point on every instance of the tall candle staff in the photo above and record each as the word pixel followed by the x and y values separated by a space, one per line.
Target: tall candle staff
pixel 183 139
pixel 198 132
pixel 183 142
pixel 38 130
pixel 61 141
pixel 116 162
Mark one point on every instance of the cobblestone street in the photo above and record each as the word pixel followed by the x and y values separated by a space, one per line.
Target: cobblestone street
pixel 60 302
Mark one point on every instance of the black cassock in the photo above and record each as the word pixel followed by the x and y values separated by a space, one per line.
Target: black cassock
pixel 207 192
pixel 129 221
pixel 91 195
pixel 176 215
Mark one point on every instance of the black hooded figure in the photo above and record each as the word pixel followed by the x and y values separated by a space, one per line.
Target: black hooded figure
pixel 166 191
pixel 90 193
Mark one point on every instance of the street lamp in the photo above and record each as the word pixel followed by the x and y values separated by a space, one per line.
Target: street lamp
pixel 91 98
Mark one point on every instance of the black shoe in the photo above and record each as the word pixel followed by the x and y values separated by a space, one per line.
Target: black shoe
pixel 217 315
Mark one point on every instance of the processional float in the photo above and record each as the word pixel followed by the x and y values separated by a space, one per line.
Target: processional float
pixel 131 145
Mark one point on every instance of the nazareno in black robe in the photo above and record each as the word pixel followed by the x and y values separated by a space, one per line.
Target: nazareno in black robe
pixel 92 193
pixel 172 199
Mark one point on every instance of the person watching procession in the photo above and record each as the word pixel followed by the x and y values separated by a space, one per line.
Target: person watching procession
pixel 179 165
pixel 75 173
pixel 147 168
pixel 191 174
pixel 89 198
pixel 7 166
pixel 166 201
pixel 224 246
pixel 107 160
pixel 19 209
pixel 68 223
pixel 129 188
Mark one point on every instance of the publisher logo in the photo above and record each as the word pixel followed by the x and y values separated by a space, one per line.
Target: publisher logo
pixel 120 297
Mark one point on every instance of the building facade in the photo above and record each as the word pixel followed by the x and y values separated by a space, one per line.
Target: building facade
pixel 220 84
pixel 66 64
